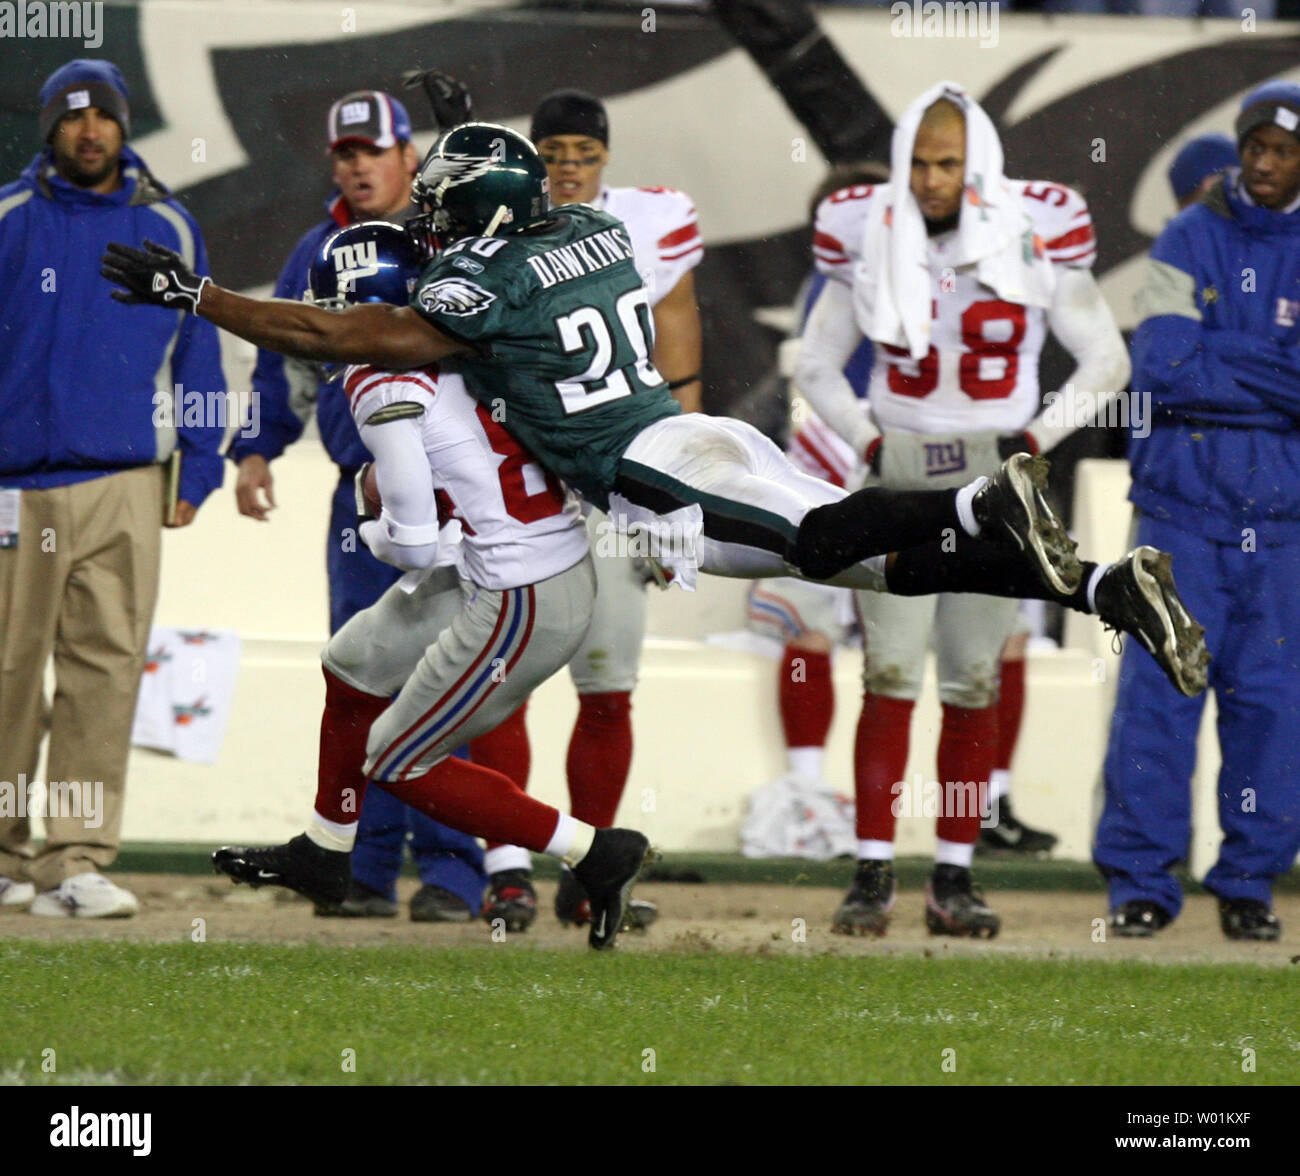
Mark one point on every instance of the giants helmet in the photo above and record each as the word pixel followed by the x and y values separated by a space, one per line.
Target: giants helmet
pixel 480 179
pixel 369 262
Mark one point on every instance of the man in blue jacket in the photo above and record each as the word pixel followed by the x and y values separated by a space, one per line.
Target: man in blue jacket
pixel 1217 483
pixel 372 162
pixel 94 397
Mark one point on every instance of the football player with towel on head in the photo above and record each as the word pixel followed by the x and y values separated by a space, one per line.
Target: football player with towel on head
pixel 955 273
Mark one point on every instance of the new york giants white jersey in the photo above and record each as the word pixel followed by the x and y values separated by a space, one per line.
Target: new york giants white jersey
pixel 663 227
pixel 817 449
pixel 981 372
pixel 518 523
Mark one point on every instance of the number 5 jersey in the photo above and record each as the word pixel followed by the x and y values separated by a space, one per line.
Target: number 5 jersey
pixel 981 370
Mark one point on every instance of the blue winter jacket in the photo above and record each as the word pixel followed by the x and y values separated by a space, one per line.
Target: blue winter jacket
pixel 1217 352
pixel 88 385
pixel 286 392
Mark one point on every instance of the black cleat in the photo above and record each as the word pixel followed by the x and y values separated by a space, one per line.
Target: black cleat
pixel 1248 918
pixel 435 904
pixel 361 903
pixel 607 874
pixel 1013 506
pixel 323 875
pixel 865 909
pixel 955 906
pixel 1139 919
pixel 512 899
pixel 573 909
pixel 1138 596
pixel 1012 836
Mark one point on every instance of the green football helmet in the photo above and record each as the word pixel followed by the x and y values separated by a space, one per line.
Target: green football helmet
pixel 482 180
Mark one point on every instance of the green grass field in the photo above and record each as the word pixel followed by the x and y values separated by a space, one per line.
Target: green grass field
pixel 221 1013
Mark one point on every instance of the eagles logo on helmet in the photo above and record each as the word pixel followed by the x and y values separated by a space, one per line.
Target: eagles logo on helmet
pixel 480 179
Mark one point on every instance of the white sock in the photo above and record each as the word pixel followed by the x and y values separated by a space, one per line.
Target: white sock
pixel 331 834
pixel 571 840
pixel 876 851
pixel 954 853
pixel 965 511
pixel 806 761
pixel 506 857
pixel 1093 581
pixel 999 784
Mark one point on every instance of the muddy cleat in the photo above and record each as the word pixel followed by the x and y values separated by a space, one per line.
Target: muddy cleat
pixel 954 906
pixel 436 904
pixel 865 909
pixel 1248 918
pixel 1138 596
pixel 512 899
pixel 607 874
pixel 1139 919
pixel 322 875
pixel 1013 505
pixel 573 909
pixel 361 903
pixel 1012 836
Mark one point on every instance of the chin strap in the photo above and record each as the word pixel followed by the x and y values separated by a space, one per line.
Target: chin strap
pixel 495 222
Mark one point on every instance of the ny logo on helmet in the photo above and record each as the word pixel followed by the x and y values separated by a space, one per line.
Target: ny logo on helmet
pixel 351 262
pixel 455 296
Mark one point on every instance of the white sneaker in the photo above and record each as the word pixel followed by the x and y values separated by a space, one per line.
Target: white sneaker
pixel 86 896
pixel 15 894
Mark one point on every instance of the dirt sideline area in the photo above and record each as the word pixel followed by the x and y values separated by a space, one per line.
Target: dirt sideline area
pixel 718 917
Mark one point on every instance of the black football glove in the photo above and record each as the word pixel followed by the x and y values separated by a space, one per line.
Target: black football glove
pixel 154 275
pixel 1009 444
pixel 448 99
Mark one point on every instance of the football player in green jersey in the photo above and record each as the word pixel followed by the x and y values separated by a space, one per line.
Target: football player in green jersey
pixel 545 315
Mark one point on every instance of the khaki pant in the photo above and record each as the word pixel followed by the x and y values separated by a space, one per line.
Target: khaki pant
pixel 81 586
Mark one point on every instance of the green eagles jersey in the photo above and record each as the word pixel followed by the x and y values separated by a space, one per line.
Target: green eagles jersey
pixel 563 334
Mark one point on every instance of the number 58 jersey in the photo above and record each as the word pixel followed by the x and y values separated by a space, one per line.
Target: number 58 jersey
pixel 981 372
pixel 518 524
pixel 562 334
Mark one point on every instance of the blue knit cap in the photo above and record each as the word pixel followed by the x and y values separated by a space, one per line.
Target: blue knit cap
pixel 1272 104
pixel 1200 157
pixel 87 81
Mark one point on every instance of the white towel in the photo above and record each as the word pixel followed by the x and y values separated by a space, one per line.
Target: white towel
pixel 186 691
pixel 891 283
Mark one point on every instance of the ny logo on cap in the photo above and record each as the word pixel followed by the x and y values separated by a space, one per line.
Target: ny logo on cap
pixel 1288 120
pixel 78 99
pixel 354 112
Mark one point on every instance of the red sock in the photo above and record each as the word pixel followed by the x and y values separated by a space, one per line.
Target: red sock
pixel 344 729
pixel 1011 708
pixel 879 761
pixel 806 697
pixel 600 756
pixel 506 750
pixel 967 748
pixel 480 802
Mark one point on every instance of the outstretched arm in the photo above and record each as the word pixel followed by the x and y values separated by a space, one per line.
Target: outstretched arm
pixel 388 336
pixel 391 337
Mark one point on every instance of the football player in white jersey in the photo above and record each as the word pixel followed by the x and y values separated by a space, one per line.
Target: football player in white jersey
pixel 571 130
pixel 474 626
pixel 956 275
